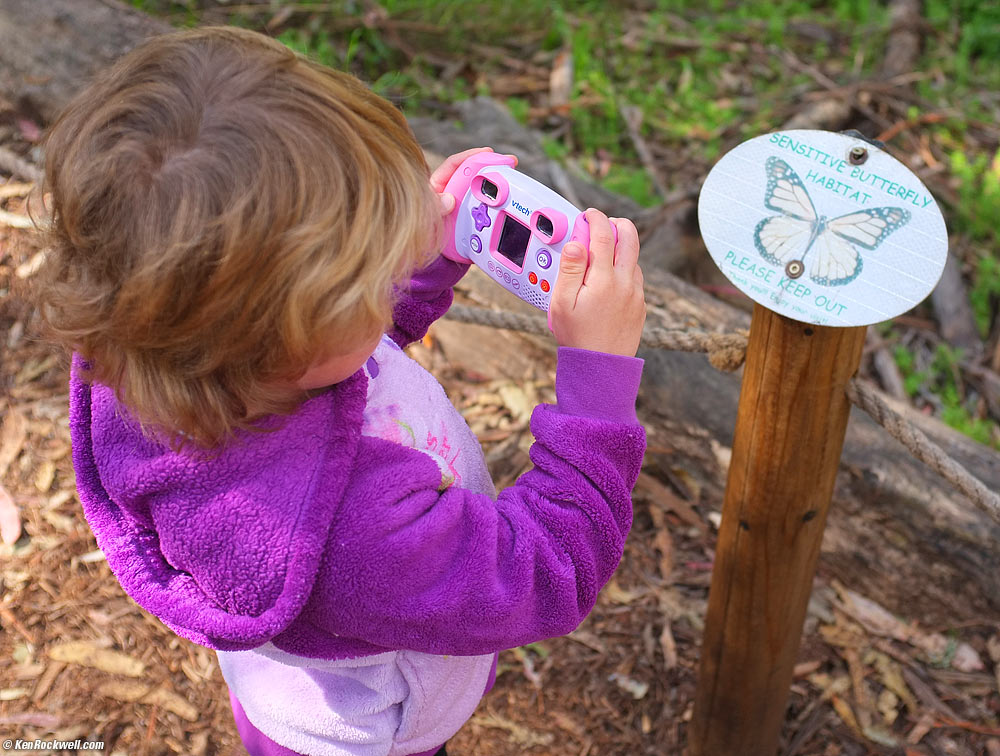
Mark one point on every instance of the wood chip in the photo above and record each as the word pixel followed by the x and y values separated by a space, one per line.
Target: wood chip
pixel 170 701
pixel 517 733
pixel 668 501
pixel 14 220
pixel 28 268
pixel 127 691
pixel 669 647
pixel 663 542
pixel 927 695
pixel 16 189
pixel 846 715
pixel 48 677
pixel 12 437
pixel 88 655
pixel 618 595
pixel 16 165
pixel 133 691
pixel 32 719
pixel 45 475
pixel 10 619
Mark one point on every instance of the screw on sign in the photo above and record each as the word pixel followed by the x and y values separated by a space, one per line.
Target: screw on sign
pixel 828 234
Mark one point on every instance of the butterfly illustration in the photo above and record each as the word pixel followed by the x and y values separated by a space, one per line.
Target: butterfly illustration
pixel 787 240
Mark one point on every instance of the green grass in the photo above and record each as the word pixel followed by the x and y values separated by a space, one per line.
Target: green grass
pixel 941 377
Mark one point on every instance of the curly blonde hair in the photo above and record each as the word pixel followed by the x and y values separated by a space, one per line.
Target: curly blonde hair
pixel 226 213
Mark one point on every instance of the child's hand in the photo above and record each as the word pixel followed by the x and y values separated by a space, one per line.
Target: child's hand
pixel 598 304
pixel 441 176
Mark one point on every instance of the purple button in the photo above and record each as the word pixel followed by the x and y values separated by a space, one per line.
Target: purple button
pixel 481 217
pixel 516 283
pixel 506 277
pixel 544 258
pixel 476 244
pixel 490 266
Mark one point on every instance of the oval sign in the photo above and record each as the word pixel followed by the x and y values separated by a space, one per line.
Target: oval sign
pixel 824 228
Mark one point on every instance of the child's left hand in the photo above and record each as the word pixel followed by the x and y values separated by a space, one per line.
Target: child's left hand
pixel 440 177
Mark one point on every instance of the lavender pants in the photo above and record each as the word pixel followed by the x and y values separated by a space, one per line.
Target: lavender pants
pixel 258 744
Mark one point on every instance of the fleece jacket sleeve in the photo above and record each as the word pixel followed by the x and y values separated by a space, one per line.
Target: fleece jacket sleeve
pixel 427 298
pixel 453 572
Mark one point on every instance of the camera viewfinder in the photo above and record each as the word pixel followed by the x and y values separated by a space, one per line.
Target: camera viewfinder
pixel 544 225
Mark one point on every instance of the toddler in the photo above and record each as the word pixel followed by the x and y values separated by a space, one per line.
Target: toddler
pixel 243 242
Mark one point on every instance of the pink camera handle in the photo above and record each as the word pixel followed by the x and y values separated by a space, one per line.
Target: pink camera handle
pixel 457 187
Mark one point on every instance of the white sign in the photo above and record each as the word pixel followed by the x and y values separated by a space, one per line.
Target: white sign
pixel 824 228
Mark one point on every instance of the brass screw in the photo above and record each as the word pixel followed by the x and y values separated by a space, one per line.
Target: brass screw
pixel 857 155
pixel 795 268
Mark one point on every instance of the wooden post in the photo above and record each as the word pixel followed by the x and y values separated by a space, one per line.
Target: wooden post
pixel 790 428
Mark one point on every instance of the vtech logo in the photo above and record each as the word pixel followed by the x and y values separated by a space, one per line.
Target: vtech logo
pixel 520 207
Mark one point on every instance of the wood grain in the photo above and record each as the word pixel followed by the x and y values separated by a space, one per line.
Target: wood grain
pixel 790 429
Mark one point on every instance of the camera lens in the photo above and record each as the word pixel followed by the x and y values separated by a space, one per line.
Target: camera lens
pixel 489 189
pixel 544 225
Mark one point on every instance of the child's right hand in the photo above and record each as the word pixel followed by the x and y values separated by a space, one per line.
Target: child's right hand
pixel 598 303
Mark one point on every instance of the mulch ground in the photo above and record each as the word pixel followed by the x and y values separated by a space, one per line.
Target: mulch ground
pixel 906 673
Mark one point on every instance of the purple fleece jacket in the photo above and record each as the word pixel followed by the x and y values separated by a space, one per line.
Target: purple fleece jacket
pixel 335 545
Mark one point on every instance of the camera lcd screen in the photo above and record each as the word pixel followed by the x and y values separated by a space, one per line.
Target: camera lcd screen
pixel 514 238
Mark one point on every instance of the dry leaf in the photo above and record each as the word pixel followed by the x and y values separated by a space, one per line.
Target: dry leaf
pixel 669 647
pixel 879 621
pixel 199 743
pixel 891 676
pixel 13 220
pixel 59 521
pixel 872 616
pixel 34 263
pixel 663 542
pixel 635 688
pixel 22 653
pixel 32 719
pixel 880 735
pixel 16 189
pixel 44 477
pixel 88 655
pixel 966 659
pixel 923 726
pixel 12 437
pixel 846 715
pixel 10 518
pixel 34 369
pixel 661 496
pixel 888 703
pixel 127 691
pixel 45 681
pixel 517 401
pixel 167 699
pixel 618 595
pixel 133 691
pixel 830 686
pixel 519 734
pixel 10 694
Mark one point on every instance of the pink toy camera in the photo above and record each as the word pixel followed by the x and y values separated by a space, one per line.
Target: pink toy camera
pixel 511 226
